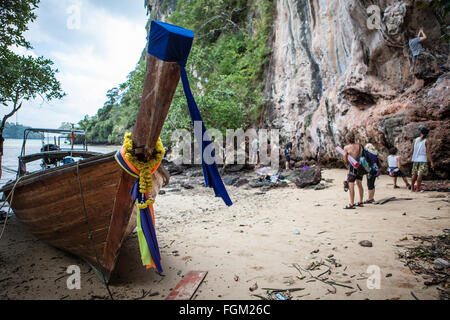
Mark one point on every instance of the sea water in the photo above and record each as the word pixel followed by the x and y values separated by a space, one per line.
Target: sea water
pixel 13 147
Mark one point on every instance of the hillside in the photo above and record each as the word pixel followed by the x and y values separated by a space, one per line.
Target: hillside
pixel 315 70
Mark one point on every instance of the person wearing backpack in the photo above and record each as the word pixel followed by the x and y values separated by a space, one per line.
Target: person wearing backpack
pixel 354 175
pixel 372 157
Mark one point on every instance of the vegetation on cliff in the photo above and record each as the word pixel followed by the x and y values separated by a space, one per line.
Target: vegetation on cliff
pixel 225 70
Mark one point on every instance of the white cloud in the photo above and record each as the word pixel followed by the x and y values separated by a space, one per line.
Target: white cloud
pixel 91 60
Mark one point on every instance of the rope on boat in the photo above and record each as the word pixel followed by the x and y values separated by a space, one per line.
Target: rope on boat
pixel 10 195
pixel 9 169
pixel 90 231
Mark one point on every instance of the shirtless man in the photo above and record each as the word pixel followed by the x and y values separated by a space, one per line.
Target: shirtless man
pixel 355 150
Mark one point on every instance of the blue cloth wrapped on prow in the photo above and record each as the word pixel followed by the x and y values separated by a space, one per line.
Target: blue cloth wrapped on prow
pixel 172 44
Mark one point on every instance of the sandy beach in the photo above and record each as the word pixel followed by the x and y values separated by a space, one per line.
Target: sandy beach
pixel 256 240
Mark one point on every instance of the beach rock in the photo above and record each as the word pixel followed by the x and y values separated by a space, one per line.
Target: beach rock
pixel 240 182
pixel 161 192
pixel 309 177
pixel 365 243
pixel 186 186
pixel 258 184
pixel 174 190
pixel 319 186
pixel 439 262
pixel 234 167
pixel 194 173
pixel 229 180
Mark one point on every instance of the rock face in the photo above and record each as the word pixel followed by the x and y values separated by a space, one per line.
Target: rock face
pixel 338 66
pixel 345 65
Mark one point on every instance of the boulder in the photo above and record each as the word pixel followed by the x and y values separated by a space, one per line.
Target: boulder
pixel 309 177
pixel 229 180
pixel 240 182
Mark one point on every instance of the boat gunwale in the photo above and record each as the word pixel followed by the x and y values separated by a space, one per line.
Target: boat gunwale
pixel 53 172
pixel 69 152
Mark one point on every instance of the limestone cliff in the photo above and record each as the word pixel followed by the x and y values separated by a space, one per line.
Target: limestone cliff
pixel 331 72
pixel 344 65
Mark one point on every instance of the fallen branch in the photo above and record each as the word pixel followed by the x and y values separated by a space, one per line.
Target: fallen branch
pixel 281 290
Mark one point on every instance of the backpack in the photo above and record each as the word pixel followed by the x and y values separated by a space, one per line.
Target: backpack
pixel 368 163
pixel 365 162
pixel 374 166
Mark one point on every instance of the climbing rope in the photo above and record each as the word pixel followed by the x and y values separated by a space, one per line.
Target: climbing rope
pixel 90 230
pixel 11 195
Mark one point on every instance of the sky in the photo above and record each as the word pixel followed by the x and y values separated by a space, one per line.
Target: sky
pixel 94 44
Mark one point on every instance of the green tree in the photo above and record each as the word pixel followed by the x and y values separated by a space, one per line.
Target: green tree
pixel 22 77
pixel 14 18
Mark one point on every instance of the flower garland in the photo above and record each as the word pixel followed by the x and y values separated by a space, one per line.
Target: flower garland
pixel 145 168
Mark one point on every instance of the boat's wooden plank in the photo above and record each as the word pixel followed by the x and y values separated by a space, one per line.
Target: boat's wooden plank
pixel 55 172
pixel 59 154
pixel 119 220
pixel 65 191
pixel 159 87
pixel 74 240
pixel 186 288
pixel 62 226
pixel 94 203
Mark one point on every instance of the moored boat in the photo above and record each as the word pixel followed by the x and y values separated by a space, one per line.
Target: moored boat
pixel 84 207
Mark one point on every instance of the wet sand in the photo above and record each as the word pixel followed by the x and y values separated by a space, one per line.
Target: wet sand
pixel 257 239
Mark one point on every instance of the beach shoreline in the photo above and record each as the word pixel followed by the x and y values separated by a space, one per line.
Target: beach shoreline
pixel 256 240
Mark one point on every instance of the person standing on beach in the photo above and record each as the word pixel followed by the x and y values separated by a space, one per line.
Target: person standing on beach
pixel 255 151
pixel 420 155
pixel 394 168
pixel 355 150
pixel 288 152
pixel 374 171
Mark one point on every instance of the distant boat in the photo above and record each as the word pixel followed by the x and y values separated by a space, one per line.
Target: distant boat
pixel 84 207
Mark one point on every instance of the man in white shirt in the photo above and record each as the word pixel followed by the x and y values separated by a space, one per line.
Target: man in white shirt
pixel 420 155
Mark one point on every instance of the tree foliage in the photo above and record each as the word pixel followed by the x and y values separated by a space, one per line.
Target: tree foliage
pixel 22 77
pixel 14 18
pixel 225 70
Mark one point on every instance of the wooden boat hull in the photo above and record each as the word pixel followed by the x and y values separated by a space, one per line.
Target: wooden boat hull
pixel 50 205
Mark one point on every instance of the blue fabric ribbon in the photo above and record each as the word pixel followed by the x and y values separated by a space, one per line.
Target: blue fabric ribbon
pixel 172 44
pixel 147 226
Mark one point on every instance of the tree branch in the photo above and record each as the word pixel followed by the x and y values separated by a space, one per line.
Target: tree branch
pixel 9 115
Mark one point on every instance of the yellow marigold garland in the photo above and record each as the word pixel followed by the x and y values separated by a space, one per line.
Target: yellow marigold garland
pixel 145 168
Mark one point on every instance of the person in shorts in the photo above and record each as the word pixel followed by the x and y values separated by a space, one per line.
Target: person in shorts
pixel 394 168
pixel 420 156
pixel 374 172
pixel 355 150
